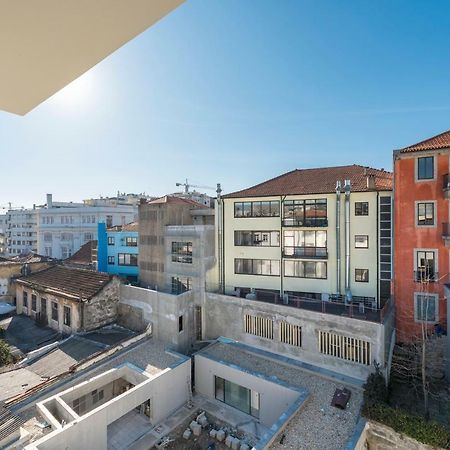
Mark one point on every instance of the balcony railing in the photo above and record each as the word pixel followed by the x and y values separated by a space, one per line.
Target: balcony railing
pixel 305 252
pixel 312 222
pixel 426 275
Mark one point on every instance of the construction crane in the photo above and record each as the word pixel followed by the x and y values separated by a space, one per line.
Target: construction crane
pixel 187 185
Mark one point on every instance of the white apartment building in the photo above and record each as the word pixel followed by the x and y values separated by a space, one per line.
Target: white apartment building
pixel 21 231
pixel 3 218
pixel 62 228
pixel 321 234
pixel 59 229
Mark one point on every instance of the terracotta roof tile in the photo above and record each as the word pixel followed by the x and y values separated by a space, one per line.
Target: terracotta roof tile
pixel 434 143
pixel 84 254
pixel 67 280
pixel 133 226
pixel 319 181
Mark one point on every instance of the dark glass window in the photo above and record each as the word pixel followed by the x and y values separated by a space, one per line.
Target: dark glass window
pixel 305 213
pixel 257 209
pixel 180 285
pixel 425 213
pixel 127 259
pixel 131 241
pixel 111 260
pixel 182 252
pixel 33 302
pixel 25 299
pixel 67 316
pixel 361 208
pixel 426 266
pixel 426 308
pixel 55 311
pixel 362 275
pixel 425 168
pixel 245 266
pixel 305 269
pixel 180 324
pixel 257 238
pixel 111 240
pixel 361 241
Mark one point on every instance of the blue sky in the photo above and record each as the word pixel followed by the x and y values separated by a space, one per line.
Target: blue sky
pixel 238 92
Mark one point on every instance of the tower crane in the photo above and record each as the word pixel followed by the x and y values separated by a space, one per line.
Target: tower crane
pixel 187 185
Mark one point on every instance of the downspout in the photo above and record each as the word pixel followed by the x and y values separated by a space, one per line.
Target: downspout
pixel 338 237
pixel 348 294
pixel 220 258
pixel 378 250
pixel 282 198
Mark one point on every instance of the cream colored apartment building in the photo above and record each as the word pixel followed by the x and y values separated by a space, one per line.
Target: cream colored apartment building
pixel 323 234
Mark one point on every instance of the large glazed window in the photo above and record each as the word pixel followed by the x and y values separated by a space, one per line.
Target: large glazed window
pixel 305 243
pixel 257 238
pixel 239 397
pixel 257 209
pixel 305 213
pixel 269 267
pixel 182 252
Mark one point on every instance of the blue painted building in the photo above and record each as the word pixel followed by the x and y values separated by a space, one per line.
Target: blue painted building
pixel 117 251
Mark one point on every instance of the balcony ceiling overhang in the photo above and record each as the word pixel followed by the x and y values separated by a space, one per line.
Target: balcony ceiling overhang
pixel 46 44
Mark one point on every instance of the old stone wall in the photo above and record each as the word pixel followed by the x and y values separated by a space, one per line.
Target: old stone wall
pixel 102 309
pixel 377 436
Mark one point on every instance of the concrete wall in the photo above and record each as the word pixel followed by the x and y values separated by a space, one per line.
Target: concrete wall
pixel 167 391
pixel 274 398
pixel 224 316
pixel 162 311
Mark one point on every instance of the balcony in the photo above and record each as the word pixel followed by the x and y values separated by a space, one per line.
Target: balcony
pixel 426 275
pixel 446 185
pixel 305 252
pixel 318 222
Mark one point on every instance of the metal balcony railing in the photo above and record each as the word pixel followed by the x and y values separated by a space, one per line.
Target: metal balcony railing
pixel 312 222
pixel 426 275
pixel 305 252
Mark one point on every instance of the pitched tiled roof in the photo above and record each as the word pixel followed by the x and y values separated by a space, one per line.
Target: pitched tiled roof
pixel 68 281
pixel 83 255
pixel 31 258
pixel 435 143
pixel 133 226
pixel 319 181
pixel 175 200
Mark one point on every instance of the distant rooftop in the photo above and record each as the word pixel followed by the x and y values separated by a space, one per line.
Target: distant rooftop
pixel 320 180
pixel 28 258
pixel 437 142
pixel 175 201
pixel 83 256
pixel 68 281
pixel 133 226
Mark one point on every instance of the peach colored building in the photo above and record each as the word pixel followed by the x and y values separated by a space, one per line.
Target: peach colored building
pixel 421 235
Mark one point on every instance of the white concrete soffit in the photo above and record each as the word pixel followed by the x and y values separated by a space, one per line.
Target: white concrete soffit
pixel 46 44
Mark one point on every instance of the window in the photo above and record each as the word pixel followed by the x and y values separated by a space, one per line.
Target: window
pixel 111 260
pixel 425 213
pixel 361 241
pixel 109 221
pixel 426 307
pixel 66 252
pixel 305 213
pixel 25 299
pixel 344 347
pixel 55 311
pixel 269 267
pixel 48 237
pixel 33 303
pixel 237 396
pixel 180 324
pixel 111 240
pixel 257 238
pixel 361 208
pixel 180 285
pixel 182 252
pixel 67 316
pixel 88 237
pixel 425 168
pixel 305 269
pixel 426 266
pixel 127 259
pixel 131 241
pixel 305 243
pixel 48 251
pixel 66 236
pixel 362 275
pixel 257 209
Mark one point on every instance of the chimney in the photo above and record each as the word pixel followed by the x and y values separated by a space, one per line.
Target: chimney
pixel 370 181
pixel 49 201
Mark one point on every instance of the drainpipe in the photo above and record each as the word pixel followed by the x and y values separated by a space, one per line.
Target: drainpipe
pixel 338 237
pixel 220 239
pixel 282 198
pixel 348 294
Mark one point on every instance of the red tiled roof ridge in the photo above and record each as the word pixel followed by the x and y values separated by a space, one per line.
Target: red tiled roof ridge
pixel 439 141
pixel 318 180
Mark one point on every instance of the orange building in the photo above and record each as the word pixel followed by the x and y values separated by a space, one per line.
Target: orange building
pixel 421 236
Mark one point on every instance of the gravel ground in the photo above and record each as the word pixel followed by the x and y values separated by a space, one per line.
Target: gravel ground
pixel 317 426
